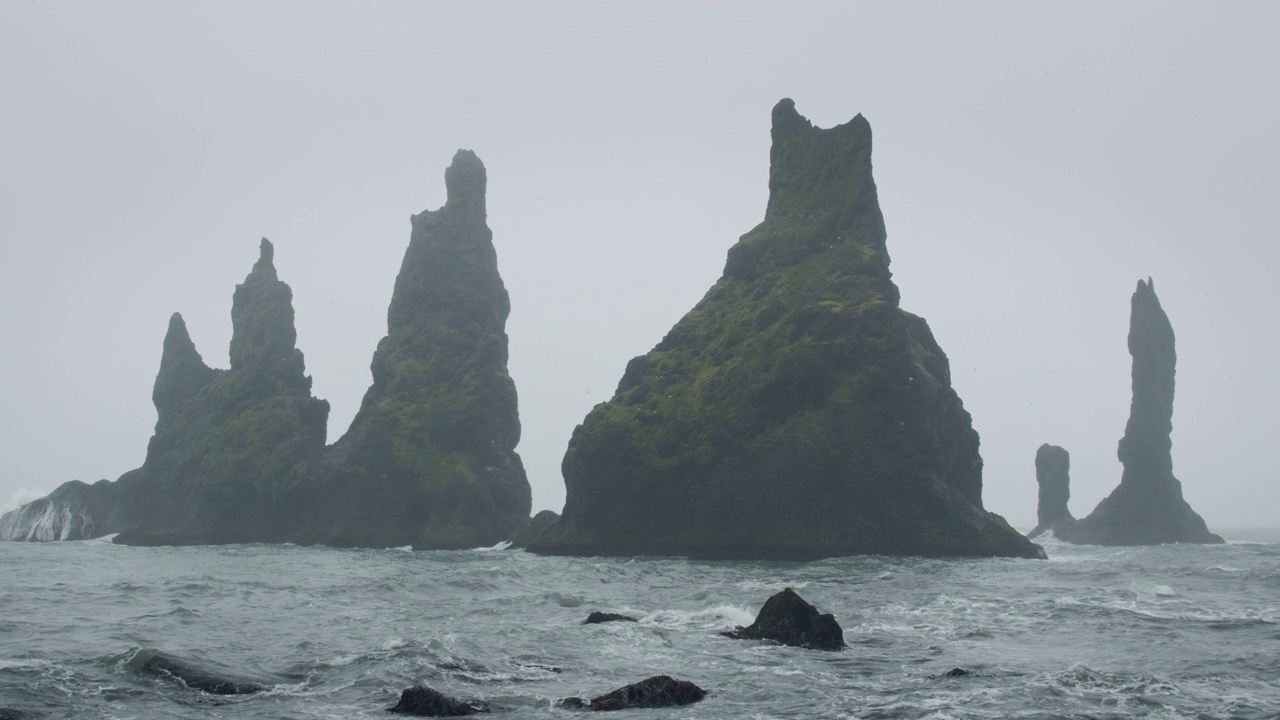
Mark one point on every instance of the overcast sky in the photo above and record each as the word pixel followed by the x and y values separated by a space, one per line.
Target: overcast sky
pixel 1034 160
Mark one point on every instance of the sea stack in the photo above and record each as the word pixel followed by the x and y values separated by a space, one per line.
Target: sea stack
pixel 1053 474
pixel 239 455
pixel 430 457
pixel 796 412
pixel 235 454
pixel 1147 507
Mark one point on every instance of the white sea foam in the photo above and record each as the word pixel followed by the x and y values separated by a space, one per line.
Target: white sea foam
pixel 498 546
pixel 718 616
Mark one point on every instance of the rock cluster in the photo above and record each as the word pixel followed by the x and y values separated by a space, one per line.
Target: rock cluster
pixel 797 411
pixel 239 455
pixel 1147 508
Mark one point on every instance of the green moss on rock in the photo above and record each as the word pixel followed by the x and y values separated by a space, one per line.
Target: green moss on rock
pixel 435 436
pixel 796 411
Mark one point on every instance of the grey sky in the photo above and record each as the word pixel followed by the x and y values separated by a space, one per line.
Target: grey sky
pixel 1034 161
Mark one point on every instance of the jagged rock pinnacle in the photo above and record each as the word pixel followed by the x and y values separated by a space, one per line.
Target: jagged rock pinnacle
pixel 1147 508
pixel 182 371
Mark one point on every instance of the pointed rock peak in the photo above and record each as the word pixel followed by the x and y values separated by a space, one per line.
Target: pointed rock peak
pixel 182 370
pixel 177 339
pixel 262 329
pixel 266 260
pixel 266 252
pixel 465 181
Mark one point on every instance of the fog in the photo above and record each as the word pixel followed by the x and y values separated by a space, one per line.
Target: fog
pixel 1034 160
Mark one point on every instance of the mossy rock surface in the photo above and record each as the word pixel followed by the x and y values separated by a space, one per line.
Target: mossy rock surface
pixel 239 455
pixel 431 452
pixel 796 411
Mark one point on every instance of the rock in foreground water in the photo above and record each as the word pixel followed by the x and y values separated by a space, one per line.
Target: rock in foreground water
pixel 655 692
pixel 788 619
pixel 597 617
pixel 423 701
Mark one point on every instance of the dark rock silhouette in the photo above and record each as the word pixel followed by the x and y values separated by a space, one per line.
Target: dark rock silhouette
pixel 796 412
pixel 1147 508
pixel 1053 474
pixel 788 619
pixel 597 617
pixel 957 672
pixel 538 524
pixel 655 692
pixel 194 675
pixel 235 452
pixel 430 457
pixel 423 701
pixel 239 455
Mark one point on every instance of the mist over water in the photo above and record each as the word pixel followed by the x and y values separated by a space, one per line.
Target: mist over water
pixel 1168 632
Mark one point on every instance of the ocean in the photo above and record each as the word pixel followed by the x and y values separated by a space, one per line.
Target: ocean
pixel 1151 632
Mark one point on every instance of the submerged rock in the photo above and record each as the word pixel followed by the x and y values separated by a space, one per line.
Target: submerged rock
pixel 1147 508
pixel 597 617
pixel 194 675
pixel 1053 474
pixel 796 412
pixel 431 452
pixel 788 619
pixel 423 701
pixel 655 692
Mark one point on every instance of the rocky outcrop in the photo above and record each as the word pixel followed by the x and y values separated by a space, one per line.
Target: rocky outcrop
pixel 538 524
pixel 422 701
pixel 73 511
pixel 192 674
pixel 788 619
pixel 1053 468
pixel 597 617
pixel 239 455
pixel 235 454
pixel 1147 508
pixel 655 692
pixel 796 412
pixel 430 458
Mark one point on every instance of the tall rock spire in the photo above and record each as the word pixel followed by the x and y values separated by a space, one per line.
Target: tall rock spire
pixel 435 436
pixel 796 411
pixel 1147 508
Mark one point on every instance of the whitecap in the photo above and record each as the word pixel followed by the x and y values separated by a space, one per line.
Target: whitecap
pixel 498 546
pixel 403 548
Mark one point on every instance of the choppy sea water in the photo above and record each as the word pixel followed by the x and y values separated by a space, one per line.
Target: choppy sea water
pixel 1163 632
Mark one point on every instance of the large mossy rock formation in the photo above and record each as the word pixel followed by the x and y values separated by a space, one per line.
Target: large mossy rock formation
pixel 430 458
pixel 239 455
pixel 1147 508
pixel 796 411
pixel 1053 475
pixel 236 453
